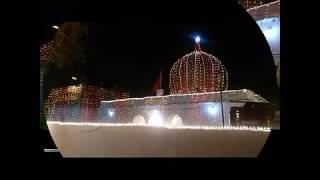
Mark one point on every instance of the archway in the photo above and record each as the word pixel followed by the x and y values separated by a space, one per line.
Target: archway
pixel 175 120
pixel 139 119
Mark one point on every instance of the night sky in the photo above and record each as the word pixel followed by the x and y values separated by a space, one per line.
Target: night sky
pixel 130 53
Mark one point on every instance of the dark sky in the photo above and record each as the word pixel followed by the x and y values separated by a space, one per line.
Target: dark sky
pixel 130 53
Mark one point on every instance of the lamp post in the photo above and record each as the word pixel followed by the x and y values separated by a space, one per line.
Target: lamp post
pixel 221 102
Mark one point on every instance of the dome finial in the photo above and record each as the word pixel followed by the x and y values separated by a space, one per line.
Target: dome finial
pixel 197 39
pixel 197 47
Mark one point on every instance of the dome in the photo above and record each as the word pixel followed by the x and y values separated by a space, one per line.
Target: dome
pixel 197 72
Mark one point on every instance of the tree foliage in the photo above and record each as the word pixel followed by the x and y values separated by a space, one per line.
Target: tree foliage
pixel 69 44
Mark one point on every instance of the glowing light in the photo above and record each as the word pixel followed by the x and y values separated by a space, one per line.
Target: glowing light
pixel 51 150
pixel 176 121
pixel 212 109
pixel 155 119
pixel 56 27
pixel 271 30
pixel 139 119
pixel 74 78
pixel 94 110
pixel 110 113
pixel 197 39
pixel 270 33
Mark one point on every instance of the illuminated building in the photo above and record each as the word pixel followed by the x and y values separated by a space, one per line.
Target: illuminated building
pixel 191 109
pixel 267 17
pixel 196 104
pixel 79 102
pixel 83 124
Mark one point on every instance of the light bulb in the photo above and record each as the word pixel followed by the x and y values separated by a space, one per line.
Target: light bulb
pixel 197 39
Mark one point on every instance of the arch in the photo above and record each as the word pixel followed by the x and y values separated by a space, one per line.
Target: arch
pixel 175 120
pixel 139 119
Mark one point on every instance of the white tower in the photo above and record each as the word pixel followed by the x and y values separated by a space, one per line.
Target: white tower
pixel 160 91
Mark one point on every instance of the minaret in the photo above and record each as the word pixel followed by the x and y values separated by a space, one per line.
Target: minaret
pixel 160 91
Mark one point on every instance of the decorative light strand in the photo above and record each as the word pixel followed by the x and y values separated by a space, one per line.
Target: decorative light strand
pixel 268 10
pixel 44 51
pixel 192 78
pixel 86 98
pixel 240 128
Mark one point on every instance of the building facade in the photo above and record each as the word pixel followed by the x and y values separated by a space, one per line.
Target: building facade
pixel 253 3
pixel 267 17
pixel 79 103
pixel 240 107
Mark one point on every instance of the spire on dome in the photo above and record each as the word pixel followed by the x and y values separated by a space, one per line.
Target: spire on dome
pixel 197 39
pixel 197 46
pixel 198 72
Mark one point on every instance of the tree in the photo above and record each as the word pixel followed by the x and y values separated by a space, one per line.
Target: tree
pixel 67 52
pixel 69 44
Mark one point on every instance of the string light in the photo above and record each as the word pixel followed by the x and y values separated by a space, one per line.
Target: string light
pixel 249 4
pixel 265 11
pixel 242 95
pixel 181 127
pixel 197 72
pixel 194 79
pixel 82 102
pixel 44 51
pixel 76 104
